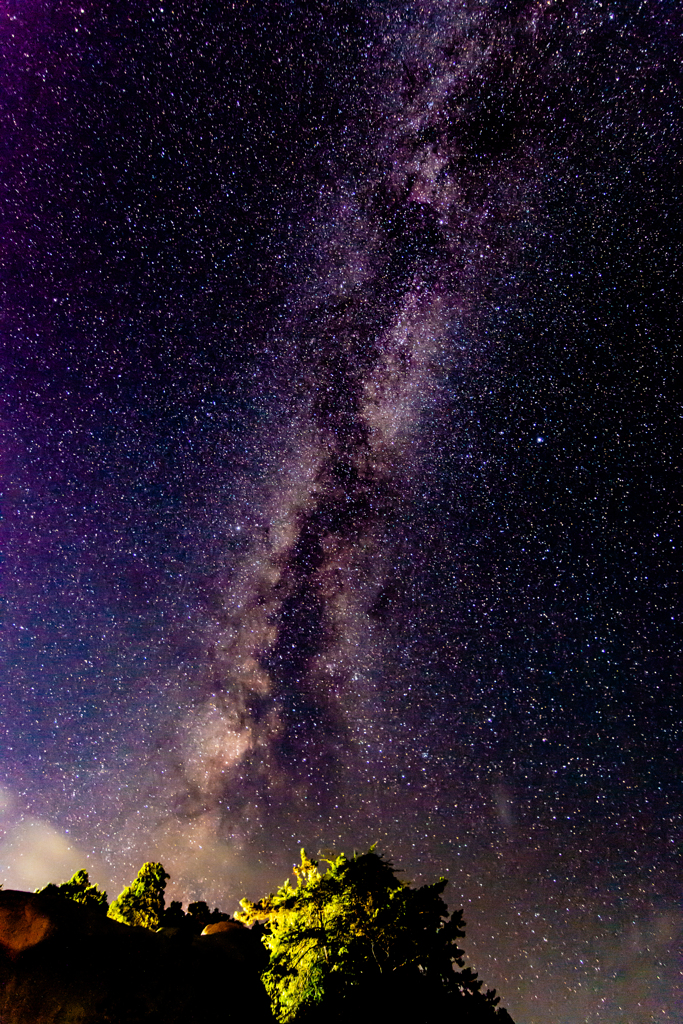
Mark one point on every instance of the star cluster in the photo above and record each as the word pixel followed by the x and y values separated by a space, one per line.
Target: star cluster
pixel 342 462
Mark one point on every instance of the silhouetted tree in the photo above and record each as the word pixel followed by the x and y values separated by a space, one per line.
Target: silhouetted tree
pixel 142 902
pixel 194 920
pixel 356 938
pixel 200 915
pixel 173 916
pixel 80 890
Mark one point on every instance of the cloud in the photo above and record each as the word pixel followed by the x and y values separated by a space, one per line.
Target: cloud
pixel 34 853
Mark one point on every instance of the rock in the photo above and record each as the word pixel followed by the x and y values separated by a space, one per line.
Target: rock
pixel 237 942
pixel 64 963
pixel 22 924
pixel 223 926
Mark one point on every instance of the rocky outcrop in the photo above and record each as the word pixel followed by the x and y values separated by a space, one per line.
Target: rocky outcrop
pixel 64 963
pixel 23 923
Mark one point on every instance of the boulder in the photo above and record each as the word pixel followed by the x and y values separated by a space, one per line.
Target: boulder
pixel 22 923
pixel 65 963
pixel 237 942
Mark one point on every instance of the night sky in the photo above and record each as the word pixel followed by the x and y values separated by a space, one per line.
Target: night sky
pixel 342 463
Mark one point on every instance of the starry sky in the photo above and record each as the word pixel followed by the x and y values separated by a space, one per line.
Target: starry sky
pixel 341 462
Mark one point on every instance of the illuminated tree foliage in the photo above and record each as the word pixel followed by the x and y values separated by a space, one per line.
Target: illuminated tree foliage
pixel 142 902
pixel 80 890
pixel 357 937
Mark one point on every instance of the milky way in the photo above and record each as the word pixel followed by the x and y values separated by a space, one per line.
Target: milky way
pixel 342 454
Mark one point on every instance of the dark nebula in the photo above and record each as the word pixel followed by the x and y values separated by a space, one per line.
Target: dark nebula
pixel 342 462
